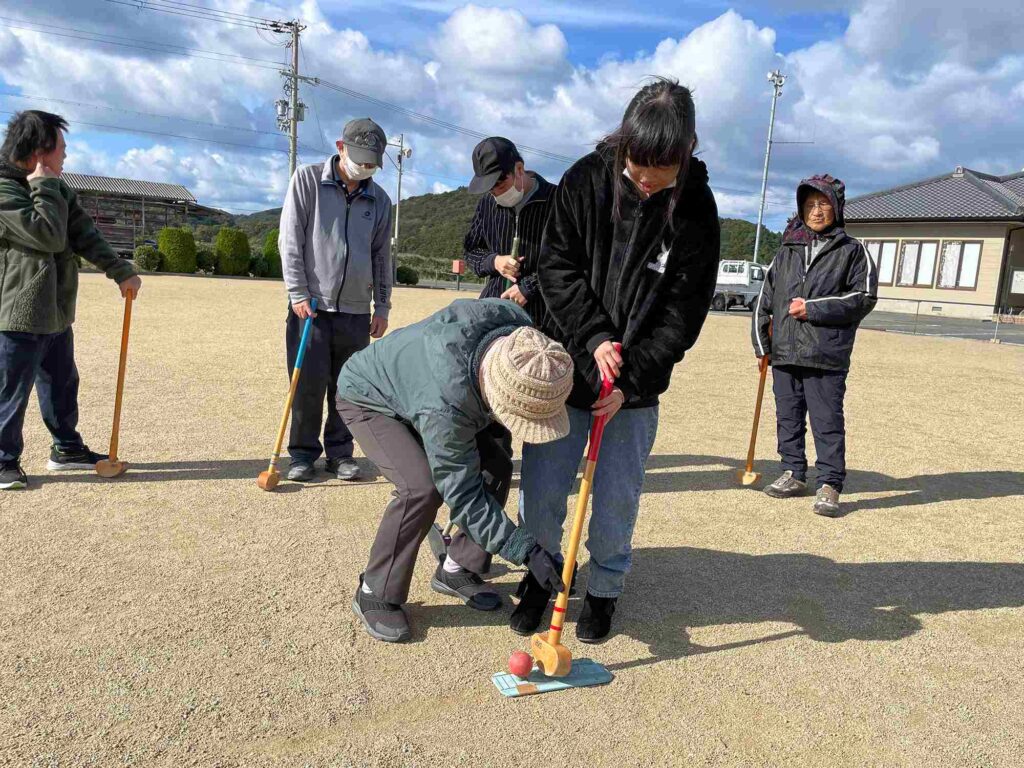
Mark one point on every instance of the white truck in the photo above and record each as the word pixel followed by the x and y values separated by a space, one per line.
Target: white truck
pixel 739 284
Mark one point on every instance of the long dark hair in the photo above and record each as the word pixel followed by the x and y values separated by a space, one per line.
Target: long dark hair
pixel 658 129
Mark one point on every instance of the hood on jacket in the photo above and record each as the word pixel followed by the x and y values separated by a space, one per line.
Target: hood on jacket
pixel 834 189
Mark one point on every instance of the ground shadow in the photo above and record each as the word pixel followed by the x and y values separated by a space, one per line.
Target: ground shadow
pixel 718 473
pixel 229 469
pixel 673 591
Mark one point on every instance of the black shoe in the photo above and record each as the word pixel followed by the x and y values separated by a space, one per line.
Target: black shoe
pixel 343 469
pixel 301 471
pixel 595 621
pixel 65 459
pixel 468 587
pixel 11 476
pixel 382 621
pixel 533 601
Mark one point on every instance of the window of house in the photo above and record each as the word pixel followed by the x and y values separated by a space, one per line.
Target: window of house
pixel 917 263
pixel 883 254
pixel 959 265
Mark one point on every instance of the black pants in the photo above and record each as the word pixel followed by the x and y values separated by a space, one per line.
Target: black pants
pixel 397 450
pixel 799 391
pixel 46 361
pixel 333 339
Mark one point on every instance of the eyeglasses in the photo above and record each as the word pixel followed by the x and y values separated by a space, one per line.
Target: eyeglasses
pixel 823 207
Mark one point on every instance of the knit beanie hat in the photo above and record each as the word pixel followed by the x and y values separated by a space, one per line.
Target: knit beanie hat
pixel 528 378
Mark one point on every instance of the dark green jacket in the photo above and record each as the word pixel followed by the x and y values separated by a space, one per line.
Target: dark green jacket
pixel 427 375
pixel 42 226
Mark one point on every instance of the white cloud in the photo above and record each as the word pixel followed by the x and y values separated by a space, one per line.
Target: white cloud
pixel 900 94
pixel 497 50
pixel 437 188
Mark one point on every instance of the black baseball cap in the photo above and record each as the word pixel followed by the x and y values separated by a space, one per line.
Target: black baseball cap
pixel 492 158
pixel 365 141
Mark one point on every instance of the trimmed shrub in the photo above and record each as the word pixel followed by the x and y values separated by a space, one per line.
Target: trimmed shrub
pixel 148 258
pixel 272 254
pixel 232 251
pixel 205 260
pixel 179 249
pixel 407 275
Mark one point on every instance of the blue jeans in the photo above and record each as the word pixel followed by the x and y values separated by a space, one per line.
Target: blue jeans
pixel 46 361
pixel 549 473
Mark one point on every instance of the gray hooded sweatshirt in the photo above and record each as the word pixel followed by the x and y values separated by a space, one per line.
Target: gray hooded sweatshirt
pixel 336 247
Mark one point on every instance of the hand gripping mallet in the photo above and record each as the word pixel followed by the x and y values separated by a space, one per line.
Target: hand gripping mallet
pixel 111 467
pixel 551 656
pixel 268 480
pixel 749 476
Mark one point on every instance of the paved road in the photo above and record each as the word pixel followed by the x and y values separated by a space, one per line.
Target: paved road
pixel 951 327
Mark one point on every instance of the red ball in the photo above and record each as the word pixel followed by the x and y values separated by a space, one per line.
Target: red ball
pixel 520 664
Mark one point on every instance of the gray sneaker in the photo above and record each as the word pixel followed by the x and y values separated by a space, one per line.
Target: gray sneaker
pixel 468 587
pixel 343 469
pixel 786 487
pixel 382 621
pixel 300 471
pixel 826 503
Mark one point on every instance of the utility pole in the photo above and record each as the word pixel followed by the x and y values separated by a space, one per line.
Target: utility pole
pixel 777 79
pixel 291 111
pixel 403 154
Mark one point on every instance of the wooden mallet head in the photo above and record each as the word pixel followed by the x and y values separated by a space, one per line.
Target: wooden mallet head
pixel 268 480
pixel 748 478
pixel 109 468
pixel 553 659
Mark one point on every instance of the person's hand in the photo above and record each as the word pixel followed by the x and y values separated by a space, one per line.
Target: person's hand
pixel 43 172
pixel 545 569
pixel 507 266
pixel 133 284
pixel 514 294
pixel 378 325
pixel 798 309
pixel 302 310
pixel 609 361
pixel 760 358
pixel 609 406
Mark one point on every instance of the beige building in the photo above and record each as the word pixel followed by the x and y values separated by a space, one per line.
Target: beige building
pixel 948 246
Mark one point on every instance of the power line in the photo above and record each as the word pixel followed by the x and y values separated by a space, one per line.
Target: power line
pixel 206 8
pixel 135 112
pixel 125 129
pixel 436 121
pixel 96 37
pixel 150 5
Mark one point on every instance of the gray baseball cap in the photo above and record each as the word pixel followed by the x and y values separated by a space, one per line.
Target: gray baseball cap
pixel 365 141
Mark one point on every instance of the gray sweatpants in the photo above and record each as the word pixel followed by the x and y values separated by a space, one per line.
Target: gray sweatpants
pixel 398 451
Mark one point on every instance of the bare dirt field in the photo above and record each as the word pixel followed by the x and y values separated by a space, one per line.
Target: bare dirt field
pixel 180 616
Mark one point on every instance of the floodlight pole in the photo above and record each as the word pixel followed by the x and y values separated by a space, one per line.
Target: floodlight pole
pixel 777 79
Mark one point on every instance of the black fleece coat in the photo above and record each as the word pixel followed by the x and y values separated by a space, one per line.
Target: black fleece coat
pixel 626 281
pixel 839 284
pixel 490 235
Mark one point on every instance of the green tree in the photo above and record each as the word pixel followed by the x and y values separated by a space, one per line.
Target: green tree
pixel 232 251
pixel 179 249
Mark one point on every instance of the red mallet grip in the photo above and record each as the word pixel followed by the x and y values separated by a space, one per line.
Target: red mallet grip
pixel 597 428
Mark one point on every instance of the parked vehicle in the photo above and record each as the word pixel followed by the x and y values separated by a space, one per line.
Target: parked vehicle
pixel 739 284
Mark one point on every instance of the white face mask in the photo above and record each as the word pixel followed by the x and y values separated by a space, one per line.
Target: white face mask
pixel 510 197
pixel 356 172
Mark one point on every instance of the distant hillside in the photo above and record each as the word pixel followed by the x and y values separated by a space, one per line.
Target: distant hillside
pixel 432 228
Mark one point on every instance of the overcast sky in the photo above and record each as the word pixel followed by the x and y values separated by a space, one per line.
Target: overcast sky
pixel 884 92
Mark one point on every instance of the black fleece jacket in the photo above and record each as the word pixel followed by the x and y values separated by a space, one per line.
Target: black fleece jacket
pixel 832 273
pixel 604 280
